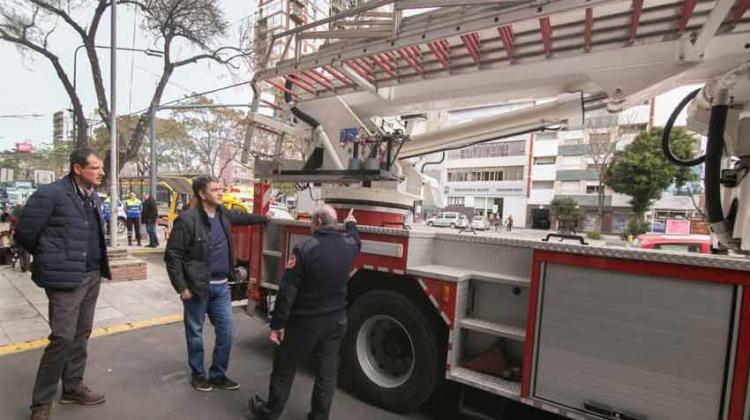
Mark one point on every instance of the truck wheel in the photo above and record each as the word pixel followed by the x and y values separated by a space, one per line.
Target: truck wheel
pixel 453 225
pixel 429 224
pixel 390 352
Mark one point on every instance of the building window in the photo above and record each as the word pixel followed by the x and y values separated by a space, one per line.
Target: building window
pixel 603 121
pixel 592 189
pixel 456 201
pixel 570 187
pixel 599 138
pixel 503 173
pixel 573 141
pixel 488 150
pixel 542 185
pixel 544 160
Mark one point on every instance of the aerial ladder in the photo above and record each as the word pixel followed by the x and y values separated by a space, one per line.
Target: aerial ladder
pixel 403 58
pixel 582 331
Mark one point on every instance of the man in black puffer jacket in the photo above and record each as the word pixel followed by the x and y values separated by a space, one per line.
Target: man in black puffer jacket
pixel 62 226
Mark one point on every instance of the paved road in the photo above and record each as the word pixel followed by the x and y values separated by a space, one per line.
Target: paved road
pixel 145 378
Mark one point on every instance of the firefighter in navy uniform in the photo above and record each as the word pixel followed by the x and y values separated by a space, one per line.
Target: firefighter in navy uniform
pixel 309 316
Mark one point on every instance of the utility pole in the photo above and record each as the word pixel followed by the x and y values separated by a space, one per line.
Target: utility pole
pixel 113 173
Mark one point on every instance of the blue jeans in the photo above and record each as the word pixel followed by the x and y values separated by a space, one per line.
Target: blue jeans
pixel 151 230
pixel 218 307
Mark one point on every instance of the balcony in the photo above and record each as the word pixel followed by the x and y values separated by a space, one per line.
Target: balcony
pixel 541 196
pixel 587 200
pixel 543 173
pixel 572 150
pixel 577 175
pixel 297 13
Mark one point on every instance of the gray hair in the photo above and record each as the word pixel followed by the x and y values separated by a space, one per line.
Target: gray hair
pixel 323 216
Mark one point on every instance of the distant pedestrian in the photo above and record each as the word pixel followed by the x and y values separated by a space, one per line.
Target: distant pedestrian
pixel 133 210
pixel 309 315
pixel 497 221
pixel 150 216
pixel 509 223
pixel 107 212
pixel 200 266
pixel 62 226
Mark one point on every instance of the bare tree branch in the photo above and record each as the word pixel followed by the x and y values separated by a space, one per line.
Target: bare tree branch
pixel 61 13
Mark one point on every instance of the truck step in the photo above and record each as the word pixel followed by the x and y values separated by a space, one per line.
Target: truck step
pixel 493 328
pixel 485 382
pixel 458 274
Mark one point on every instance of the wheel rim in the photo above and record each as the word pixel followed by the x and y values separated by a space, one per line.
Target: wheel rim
pixel 385 351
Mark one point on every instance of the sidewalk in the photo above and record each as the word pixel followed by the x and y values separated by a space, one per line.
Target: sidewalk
pixel 23 305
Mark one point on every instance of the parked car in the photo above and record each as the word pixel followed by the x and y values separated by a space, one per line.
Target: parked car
pixel 463 222
pixel 446 219
pixel 480 223
pixel 280 213
pixel 683 243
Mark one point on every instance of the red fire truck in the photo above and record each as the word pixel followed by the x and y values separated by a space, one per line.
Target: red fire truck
pixel 583 331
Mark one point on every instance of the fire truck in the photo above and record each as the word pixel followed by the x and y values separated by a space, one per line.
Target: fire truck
pixel 582 331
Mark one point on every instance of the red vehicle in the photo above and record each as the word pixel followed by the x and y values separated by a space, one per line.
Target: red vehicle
pixel 681 243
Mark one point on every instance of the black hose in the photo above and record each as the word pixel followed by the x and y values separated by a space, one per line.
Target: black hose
pixel 712 179
pixel 432 163
pixel 668 131
pixel 312 122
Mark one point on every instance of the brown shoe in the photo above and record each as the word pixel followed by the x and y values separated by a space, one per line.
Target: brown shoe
pixel 82 395
pixel 40 413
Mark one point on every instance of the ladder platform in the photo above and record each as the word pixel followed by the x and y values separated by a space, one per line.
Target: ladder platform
pixel 486 382
pixel 458 274
pixel 493 328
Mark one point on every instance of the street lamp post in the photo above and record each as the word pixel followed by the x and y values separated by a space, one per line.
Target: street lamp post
pixel 113 173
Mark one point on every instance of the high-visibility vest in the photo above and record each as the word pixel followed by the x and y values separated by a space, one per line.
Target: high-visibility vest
pixel 133 208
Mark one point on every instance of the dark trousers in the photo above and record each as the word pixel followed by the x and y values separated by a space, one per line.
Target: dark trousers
pixel 218 306
pixel 134 223
pixel 71 318
pixel 322 338
pixel 153 240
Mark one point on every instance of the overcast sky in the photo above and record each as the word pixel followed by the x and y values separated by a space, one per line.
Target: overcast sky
pixel 28 85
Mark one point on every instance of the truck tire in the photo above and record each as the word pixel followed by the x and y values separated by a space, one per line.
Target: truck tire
pixel 390 353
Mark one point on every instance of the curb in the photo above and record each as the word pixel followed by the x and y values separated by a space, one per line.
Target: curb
pixel 14 348
pixel 154 251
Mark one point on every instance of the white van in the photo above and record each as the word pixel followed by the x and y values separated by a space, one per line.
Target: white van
pixel 446 219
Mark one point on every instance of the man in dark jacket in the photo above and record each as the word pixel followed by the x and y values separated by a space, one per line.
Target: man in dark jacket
pixel 62 226
pixel 149 216
pixel 200 266
pixel 309 316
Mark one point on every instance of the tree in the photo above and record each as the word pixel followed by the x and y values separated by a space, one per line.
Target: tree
pixel 184 25
pixel 600 148
pixel 642 172
pixel 175 151
pixel 216 133
pixel 567 213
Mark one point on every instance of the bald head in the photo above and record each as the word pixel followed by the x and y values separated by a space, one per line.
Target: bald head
pixel 323 216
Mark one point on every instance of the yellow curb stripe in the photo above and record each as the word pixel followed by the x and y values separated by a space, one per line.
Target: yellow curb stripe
pixel 97 332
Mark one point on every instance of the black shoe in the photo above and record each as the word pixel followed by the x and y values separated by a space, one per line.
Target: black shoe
pixel 257 408
pixel 225 384
pixel 201 384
